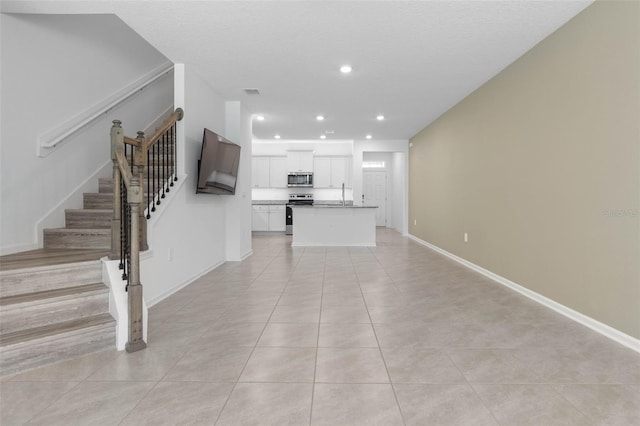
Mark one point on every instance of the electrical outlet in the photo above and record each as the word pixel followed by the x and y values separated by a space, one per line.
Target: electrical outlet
pixel 415 222
pixel 466 237
pixel 170 254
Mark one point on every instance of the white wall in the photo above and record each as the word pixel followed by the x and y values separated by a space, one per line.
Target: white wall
pixel 53 68
pixel 270 147
pixel 188 236
pixel 238 229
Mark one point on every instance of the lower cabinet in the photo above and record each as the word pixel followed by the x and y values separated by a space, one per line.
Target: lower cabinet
pixel 268 218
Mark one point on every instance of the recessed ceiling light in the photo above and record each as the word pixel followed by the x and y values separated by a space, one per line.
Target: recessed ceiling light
pixel 380 117
pixel 260 117
pixel 323 137
pixel 277 137
pixel 345 69
pixel 319 117
pixel 368 136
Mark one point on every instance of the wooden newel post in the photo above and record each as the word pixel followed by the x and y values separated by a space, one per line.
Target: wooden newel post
pixel 117 141
pixel 134 198
pixel 140 163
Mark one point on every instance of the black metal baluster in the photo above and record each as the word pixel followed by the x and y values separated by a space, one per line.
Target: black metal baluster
pixel 149 197
pixel 173 151
pixel 167 150
pixel 164 170
pixel 156 176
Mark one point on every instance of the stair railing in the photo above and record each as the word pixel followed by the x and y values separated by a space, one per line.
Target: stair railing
pixel 136 160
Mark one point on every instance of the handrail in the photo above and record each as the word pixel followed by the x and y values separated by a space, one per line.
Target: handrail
pixel 128 226
pixel 125 168
pixel 177 115
pixel 55 137
pixel 131 141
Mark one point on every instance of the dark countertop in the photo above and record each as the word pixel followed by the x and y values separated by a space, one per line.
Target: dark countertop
pixel 335 206
pixel 269 202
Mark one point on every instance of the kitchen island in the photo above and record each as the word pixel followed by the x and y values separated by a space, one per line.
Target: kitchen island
pixel 334 225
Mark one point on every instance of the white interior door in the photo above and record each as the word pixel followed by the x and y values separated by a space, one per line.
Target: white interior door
pixel 374 193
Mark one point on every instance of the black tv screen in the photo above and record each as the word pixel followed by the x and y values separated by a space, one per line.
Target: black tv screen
pixel 218 165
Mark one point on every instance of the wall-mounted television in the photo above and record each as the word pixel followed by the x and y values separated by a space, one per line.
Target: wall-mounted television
pixel 218 165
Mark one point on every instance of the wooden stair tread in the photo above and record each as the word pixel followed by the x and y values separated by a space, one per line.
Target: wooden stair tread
pixel 51 294
pixel 49 257
pixel 54 329
pixel 91 231
pixel 90 211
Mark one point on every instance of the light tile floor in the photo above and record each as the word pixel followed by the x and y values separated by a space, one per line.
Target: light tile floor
pixel 334 336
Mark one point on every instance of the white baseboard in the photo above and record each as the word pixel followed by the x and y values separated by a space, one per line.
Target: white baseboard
pixel 607 331
pixel 172 290
pixel 246 255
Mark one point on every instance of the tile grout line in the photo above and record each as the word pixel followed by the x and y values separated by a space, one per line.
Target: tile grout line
pixel 315 364
pixel 393 390
pixel 235 384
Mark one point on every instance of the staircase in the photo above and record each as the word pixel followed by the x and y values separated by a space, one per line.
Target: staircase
pixel 53 303
pixel 86 228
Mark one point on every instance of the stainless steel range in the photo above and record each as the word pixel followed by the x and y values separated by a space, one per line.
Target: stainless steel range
pixel 295 199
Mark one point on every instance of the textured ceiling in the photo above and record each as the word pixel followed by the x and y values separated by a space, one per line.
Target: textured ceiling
pixel 412 60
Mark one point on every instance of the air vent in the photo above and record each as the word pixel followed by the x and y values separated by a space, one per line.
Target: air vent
pixel 252 91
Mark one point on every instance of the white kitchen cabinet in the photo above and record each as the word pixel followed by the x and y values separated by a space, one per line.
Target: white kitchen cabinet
pixel 332 172
pixel 268 218
pixel 278 172
pixel 300 161
pixel 338 172
pixel 260 218
pixel 269 172
pixel 277 220
pixel 322 172
pixel 260 172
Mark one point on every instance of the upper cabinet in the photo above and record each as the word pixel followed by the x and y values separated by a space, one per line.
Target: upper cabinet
pixel 269 172
pixel 300 161
pixel 260 172
pixel 278 172
pixel 332 172
pixel 329 171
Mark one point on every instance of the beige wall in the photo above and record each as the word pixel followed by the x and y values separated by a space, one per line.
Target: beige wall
pixel 540 167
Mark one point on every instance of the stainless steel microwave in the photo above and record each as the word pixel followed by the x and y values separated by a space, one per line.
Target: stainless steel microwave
pixel 300 180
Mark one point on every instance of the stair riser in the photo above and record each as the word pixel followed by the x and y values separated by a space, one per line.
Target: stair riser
pixel 27 315
pixel 87 219
pixel 102 201
pixel 34 353
pixel 98 201
pixel 53 277
pixel 77 239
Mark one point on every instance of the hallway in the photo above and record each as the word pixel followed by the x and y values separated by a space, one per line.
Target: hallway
pixel 393 335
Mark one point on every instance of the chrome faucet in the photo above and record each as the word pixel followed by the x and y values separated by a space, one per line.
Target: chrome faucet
pixel 343 203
